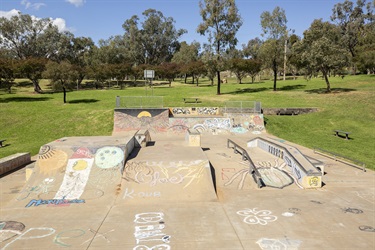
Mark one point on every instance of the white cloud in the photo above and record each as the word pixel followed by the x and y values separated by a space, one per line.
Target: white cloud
pixel 35 6
pixel 76 3
pixel 9 14
pixel 61 24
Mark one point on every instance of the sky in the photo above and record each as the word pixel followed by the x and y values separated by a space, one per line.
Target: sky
pixel 101 19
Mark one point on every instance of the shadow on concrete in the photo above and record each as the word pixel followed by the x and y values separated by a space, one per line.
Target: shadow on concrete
pixel 83 101
pixel 24 99
pixel 333 91
pixel 213 175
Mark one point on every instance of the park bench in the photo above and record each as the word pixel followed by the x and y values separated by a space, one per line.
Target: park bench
pixel 337 132
pixel 1 143
pixel 191 99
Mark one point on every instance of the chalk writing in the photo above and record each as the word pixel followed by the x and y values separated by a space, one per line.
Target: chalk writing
pixel 131 194
pixel 149 229
pixel 53 202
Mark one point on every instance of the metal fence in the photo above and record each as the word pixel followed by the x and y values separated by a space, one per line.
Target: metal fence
pixel 243 107
pixel 139 102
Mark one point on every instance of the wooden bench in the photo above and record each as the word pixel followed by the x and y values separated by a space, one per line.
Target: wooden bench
pixel 191 99
pixel 1 143
pixel 342 132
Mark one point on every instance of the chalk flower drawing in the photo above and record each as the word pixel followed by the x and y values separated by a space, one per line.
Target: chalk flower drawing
pixel 252 216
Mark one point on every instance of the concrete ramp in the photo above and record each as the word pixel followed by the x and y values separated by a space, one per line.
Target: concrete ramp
pixel 75 170
pixel 168 171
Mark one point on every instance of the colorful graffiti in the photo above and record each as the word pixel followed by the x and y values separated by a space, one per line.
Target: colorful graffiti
pixel 135 119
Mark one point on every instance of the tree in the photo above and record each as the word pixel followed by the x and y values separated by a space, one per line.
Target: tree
pixel 320 48
pixel 195 69
pixel 157 40
pixel 168 70
pixel 210 63
pixel 7 73
pixel 366 49
pixel 61 73
pixel 274 26
pixel 351 20
pixel 252 48
pixel 186 54
pixel 221 22
pixel 253 67
pixel 33 69
pixel 238 67
pixel 26 36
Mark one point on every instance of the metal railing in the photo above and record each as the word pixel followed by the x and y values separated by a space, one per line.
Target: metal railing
pixel 139 102
pixel 245 156
pixel 341 158
pixel 243 107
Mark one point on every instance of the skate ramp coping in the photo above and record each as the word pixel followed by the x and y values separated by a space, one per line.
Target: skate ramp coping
pixel 305 173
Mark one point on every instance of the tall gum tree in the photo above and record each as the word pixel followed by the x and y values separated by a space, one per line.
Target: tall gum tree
pixel 275 30
pixel 351 19
pixel 221 21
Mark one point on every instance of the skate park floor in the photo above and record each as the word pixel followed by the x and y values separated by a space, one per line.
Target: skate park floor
pixel 174 196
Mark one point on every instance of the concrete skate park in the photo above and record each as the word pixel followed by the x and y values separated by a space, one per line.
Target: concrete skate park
pixel 185 178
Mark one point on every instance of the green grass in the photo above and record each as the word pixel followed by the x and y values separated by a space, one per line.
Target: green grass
pixel 30 120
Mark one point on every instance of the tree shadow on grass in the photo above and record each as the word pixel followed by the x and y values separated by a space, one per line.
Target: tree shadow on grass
pixel 83 101
pixel 333 91
pixel 24 99
pixel 292 87
pixel 247 90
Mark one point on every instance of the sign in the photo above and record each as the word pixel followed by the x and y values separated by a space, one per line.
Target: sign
pixel 149 73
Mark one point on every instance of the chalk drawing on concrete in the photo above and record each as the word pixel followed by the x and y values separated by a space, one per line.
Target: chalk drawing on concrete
pixel 76 175
pixel 157 247
pixel 149 229
pixel 253 216
pixel 97 234
pixel 10 229
pixel 278 244
pixel 109 157
pixel 50 160
pixel 156 173
pixel 62 237
pixel 240 176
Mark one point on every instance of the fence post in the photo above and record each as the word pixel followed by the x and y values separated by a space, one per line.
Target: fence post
pixel 117 101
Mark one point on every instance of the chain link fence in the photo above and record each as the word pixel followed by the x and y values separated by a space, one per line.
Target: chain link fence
pixel 243 107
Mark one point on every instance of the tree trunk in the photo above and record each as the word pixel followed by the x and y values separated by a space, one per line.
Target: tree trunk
pixel 218 82
pixel 327 81
pixel 64 94
pixel 37 88
pixel 274 76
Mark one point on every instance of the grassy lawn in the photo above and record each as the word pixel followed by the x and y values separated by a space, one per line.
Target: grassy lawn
pixel 30 120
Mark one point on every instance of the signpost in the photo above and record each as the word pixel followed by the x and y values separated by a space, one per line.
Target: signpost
pixel 149 75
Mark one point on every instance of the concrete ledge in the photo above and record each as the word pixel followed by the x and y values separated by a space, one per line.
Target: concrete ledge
pixel 193 137
pixel 142 137
pixel 12 162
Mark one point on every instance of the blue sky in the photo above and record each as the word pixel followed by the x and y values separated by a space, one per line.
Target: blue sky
pixel 101 19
